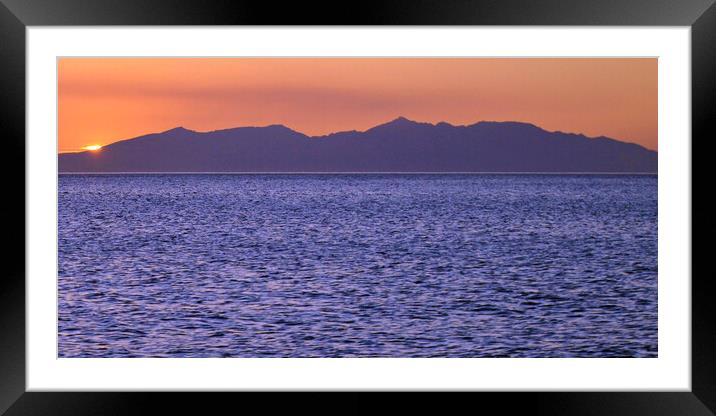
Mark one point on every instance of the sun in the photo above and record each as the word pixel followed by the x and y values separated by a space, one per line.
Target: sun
pixel 92 147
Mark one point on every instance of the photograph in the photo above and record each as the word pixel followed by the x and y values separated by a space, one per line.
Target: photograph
pixel 356 207
pixel 495 198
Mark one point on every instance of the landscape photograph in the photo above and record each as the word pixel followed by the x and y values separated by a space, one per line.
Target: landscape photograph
pixel 336 207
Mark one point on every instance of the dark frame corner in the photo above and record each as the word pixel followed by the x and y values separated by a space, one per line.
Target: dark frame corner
pixel 15 15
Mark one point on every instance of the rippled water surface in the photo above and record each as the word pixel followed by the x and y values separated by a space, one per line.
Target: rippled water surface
pixel 357 265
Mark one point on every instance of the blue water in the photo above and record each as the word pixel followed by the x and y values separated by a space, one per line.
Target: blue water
pixel 357 266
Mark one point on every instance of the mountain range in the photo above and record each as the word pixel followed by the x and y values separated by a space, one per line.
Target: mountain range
pixel 400 145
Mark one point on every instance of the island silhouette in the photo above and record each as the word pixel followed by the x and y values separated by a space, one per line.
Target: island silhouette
pixel 400 145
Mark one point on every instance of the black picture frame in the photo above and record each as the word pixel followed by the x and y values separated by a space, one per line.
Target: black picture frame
pixel 15 15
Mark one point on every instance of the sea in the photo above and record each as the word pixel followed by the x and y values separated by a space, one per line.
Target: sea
pixel 357 265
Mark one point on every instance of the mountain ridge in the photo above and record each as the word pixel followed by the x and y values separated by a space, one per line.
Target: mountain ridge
pixel 400 145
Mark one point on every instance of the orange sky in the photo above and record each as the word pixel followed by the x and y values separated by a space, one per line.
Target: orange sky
pixel 102 100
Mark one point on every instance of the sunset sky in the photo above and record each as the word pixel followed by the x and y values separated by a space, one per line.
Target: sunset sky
pixel 102 100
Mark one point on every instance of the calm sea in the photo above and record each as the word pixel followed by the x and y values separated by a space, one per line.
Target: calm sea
pixel 357 266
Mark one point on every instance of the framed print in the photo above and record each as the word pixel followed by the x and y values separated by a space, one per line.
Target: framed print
pixel 407 198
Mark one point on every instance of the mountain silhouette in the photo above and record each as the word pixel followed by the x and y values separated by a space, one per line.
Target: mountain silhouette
pixel 401 145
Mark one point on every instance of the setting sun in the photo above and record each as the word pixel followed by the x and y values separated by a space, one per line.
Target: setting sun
pixel 92 147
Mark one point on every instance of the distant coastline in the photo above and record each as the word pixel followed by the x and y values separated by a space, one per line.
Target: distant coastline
pixel 398 146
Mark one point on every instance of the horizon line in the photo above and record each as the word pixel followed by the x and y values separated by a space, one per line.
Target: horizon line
pixel 358 173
